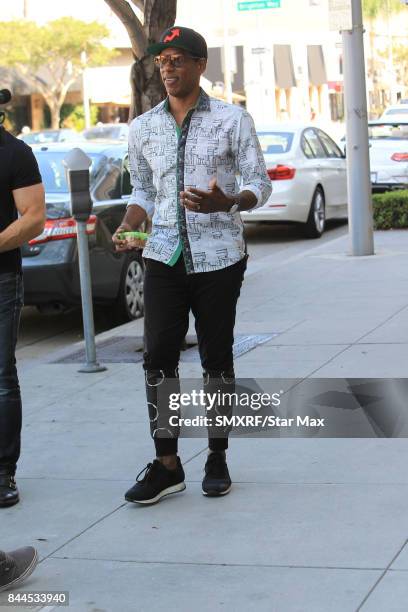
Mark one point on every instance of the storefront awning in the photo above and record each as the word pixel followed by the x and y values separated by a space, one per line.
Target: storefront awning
pixel 316 65
pixel 283 63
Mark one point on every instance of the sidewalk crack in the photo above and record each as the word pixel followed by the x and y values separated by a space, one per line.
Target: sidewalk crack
pixel 377 582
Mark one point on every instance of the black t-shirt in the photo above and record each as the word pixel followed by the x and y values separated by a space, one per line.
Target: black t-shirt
pixel 18 168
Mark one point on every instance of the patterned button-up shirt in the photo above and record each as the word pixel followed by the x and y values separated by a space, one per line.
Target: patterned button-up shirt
pixel 216 140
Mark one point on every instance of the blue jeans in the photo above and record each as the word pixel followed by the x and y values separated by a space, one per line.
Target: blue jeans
pixel 11 302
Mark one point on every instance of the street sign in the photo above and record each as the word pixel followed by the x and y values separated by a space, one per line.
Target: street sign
pixel 259 50
pixel 340 16
pixel 257 6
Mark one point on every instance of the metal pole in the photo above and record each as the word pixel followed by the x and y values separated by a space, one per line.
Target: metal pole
pixel 91 364
pixel 358 162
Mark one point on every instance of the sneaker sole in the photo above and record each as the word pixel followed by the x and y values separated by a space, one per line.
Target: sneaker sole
pixel 26 574
pixel 216 494
pixel 169 491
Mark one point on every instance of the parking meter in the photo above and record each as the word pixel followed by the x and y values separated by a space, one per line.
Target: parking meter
pixel 77 165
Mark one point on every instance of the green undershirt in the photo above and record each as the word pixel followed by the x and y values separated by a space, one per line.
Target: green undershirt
pixel 174 258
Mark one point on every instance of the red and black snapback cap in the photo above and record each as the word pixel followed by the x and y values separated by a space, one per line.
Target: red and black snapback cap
pixel 180 38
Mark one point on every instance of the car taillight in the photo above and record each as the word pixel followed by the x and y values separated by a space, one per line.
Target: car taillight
pixel 281 173
pixel 59 229
pixel 400 157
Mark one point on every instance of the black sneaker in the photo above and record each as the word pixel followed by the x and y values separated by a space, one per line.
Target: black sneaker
pixel 8 491
pixel 217 480
pixel 157 482
pixel 16 566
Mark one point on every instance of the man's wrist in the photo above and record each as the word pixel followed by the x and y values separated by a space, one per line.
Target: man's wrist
pixel 125 226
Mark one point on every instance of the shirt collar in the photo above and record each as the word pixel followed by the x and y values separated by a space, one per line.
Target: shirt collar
pixel 202 104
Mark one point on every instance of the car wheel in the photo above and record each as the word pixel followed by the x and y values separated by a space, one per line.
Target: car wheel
pixel 129 303
pixel 316 221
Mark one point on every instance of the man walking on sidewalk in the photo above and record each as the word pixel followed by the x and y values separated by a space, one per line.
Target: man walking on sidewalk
pixel 184 156
pixel 22 216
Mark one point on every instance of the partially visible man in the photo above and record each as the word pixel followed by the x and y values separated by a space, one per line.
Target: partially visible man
pixel 16 566
pixel 22 217
pixel 185 156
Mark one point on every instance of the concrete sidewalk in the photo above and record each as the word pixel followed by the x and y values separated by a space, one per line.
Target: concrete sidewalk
pixel 311 524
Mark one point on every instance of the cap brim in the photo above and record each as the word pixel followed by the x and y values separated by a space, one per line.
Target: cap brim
pixel 157 48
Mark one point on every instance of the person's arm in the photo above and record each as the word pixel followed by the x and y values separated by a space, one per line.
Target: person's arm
pixel 141 201
pixel 28 193
pixel 250 165
pixel 30 203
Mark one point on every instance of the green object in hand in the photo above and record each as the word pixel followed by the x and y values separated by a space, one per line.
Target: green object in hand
pixel 133 236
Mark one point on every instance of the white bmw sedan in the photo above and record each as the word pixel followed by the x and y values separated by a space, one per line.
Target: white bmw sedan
pixel 308 172
pixel 388 154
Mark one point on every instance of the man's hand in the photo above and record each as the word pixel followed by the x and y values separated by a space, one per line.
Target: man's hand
pixel 126 245
pixel 134 218
pixel 206 202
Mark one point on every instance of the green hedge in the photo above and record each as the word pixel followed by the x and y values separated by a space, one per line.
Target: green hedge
pixel 390 210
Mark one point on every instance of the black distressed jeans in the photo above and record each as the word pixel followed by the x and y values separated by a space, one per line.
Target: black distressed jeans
pixel 11 302
pixel 169 295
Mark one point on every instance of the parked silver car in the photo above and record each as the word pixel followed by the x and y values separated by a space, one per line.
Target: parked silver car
pixel 107 131
pixel 388 154
pixel 47 136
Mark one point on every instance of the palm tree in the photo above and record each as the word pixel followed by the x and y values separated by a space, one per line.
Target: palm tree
pixel 372 10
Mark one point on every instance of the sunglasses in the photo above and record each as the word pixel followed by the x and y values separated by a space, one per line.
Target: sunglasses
pixel 175 60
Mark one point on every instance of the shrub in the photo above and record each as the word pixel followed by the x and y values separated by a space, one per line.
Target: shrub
pixel 390 210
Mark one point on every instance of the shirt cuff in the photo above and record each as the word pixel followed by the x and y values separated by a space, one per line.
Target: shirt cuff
pixel 257 193
pixel 145 204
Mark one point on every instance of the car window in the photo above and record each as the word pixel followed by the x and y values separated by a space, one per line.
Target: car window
pixel 106 132
pixel 102 132
pixel 106 183
pixel 306 148
pixel 275 142
pixel 126 186
pixel 52 170
pixel 331 148
pixel 313 140
pixel 41 137
pixel 397 111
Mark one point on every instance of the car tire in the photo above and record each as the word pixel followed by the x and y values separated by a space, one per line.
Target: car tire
pixel 316 221
pixel 129 302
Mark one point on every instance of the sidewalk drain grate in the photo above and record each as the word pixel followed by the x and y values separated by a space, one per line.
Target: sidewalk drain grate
pixel 243 344
pixel 129 349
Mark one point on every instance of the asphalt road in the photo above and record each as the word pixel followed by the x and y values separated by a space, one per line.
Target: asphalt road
pixel 41 334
